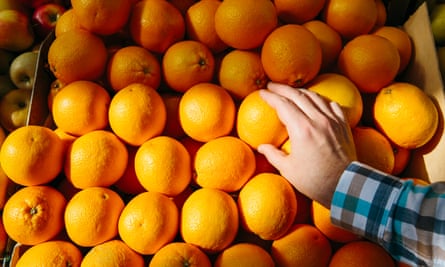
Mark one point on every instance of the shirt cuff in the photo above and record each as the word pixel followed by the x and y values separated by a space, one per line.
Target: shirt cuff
pixel 363 201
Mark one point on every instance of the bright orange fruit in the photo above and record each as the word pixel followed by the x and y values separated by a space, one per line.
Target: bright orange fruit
pixel 291 54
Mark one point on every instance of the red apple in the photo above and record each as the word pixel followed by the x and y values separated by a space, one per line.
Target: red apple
pixel 45 18
pixel 14 4
pixel 34 4
pixel 16 34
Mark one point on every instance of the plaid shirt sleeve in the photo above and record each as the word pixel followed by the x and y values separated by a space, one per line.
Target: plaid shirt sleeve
pixel 407 220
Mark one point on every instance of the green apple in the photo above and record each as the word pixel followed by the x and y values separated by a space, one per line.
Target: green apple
pixel 6 58
pixel 23 68
pixel 437 18
pixel 16 33
pixel 6 84
pixel 14 108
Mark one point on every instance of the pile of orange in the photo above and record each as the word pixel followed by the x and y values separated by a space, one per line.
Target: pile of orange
pixel 152 160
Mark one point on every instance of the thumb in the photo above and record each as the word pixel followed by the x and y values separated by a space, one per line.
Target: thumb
pixel 274 155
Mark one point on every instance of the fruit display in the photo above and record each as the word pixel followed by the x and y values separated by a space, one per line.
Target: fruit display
pixel 130 128
pixel 24 25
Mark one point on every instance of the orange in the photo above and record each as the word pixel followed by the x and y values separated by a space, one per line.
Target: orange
pixel 349 17
pixel 68 53
pixel 112 253
pixel 182 5
pixel 133 64
pixel 34 214
pixel 162 164
pixel 187 63
pixel 56 86
pixel 2 135
pixel 98 158
pixel 297 11
pixel 304 208
pixel 368 104
pixel 81 107
pixel 192 146
pixel 406 115
pixel 402 157
pixel 207 111
pixel 330 41
pixel 370 61
pixel 180 254
pixel 7 186
pixel 303 245
pixel 292 55
pixel 91 216
pixel 32 155
pixel 128 183
pixel 401 40
pixel 267 205
pixel 258 123
pixel 200 24
pixel 95 15
pixel 209 220
pixel 66 188
pixel 68 21
pixel 402 264
pixel 381 14
pixel 130 110
pixel 373 148
pixel 18 98
pixel 224 163
pixel 251 238
pixel 50 254
pixel 241 72
pixel 245 24
pixel 244 254
pixel 156 25
pixel 172 125
pixel 181 197
pixel 363 254
pixel 338 88
pixel 147 232
pixel 416 181
pixel 322 221
pixel 66 138
pixel 262 164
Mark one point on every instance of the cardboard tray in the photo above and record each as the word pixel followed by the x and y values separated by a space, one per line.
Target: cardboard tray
pixel 426 163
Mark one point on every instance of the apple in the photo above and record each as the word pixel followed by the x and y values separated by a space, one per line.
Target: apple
pixel 14 108
pixel 45 18
pixel 6 58
pixel 54 89
pixel 23 68
pixel 438 23
pixel 35 3
pixel 15 31
pixel 6 84
pixel 14 4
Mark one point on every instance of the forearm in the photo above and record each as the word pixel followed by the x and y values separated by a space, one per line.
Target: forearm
pixel 407 220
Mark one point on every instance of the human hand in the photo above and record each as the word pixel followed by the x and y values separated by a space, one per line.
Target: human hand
pixel 320 139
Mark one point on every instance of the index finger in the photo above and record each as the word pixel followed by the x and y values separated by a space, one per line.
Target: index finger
pixel 287 111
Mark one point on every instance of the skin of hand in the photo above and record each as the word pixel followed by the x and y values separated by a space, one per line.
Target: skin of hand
pixel 320 137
